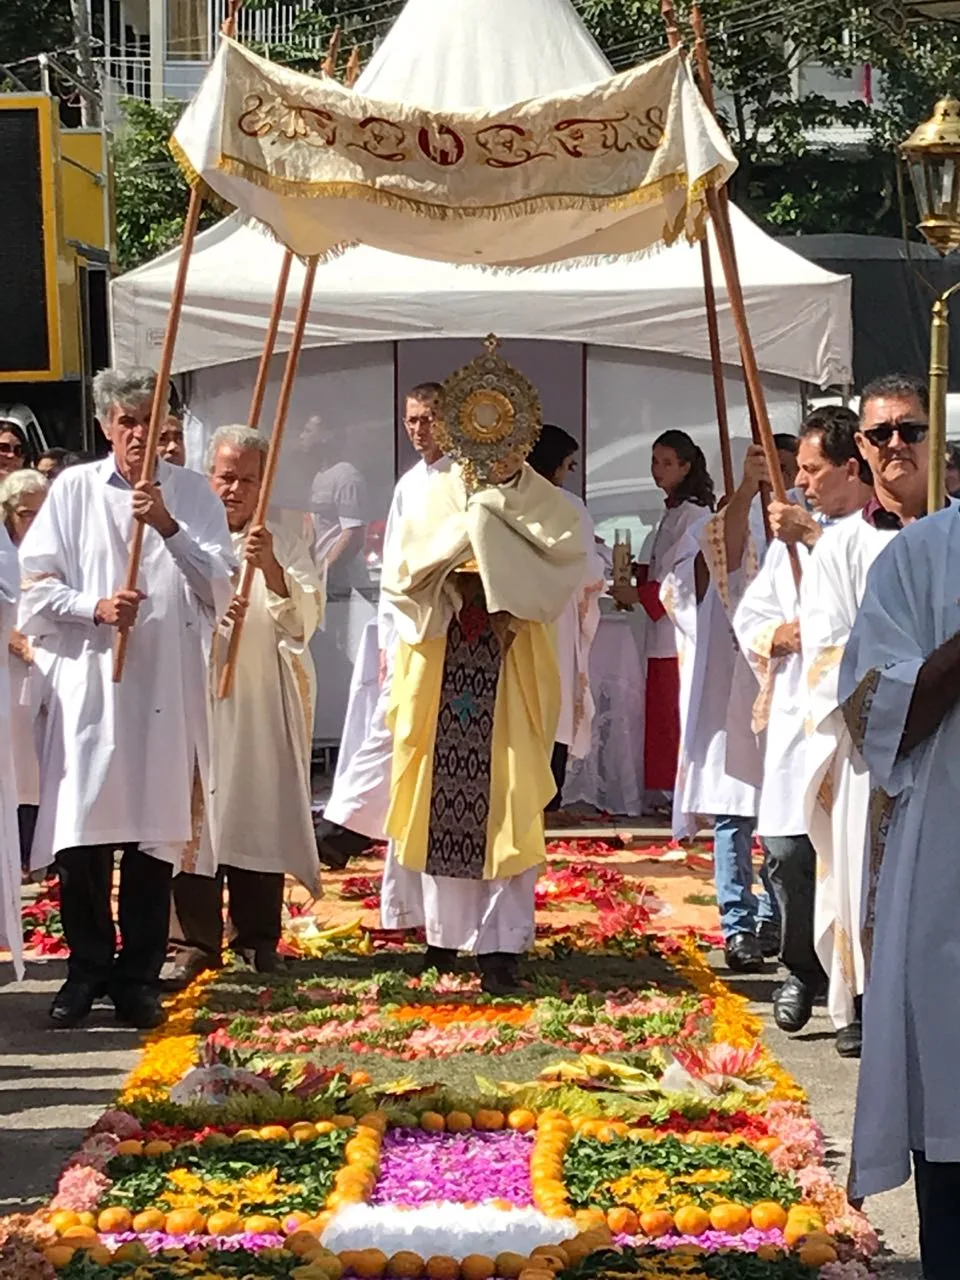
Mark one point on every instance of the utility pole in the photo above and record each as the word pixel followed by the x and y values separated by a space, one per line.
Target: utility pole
pixel 86 70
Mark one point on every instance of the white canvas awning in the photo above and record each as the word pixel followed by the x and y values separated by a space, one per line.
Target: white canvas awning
pixel 484 131
pixel 799 314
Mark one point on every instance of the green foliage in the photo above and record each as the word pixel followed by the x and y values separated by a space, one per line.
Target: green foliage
pixel 29 27
pixel 151 192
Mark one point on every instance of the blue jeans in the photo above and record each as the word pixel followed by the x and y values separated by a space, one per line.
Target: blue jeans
pixel 741 910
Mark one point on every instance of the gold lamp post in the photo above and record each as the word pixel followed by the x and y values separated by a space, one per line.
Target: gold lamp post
pixel 932 153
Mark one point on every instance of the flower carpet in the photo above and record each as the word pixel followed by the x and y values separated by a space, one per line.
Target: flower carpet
pixel 353 1117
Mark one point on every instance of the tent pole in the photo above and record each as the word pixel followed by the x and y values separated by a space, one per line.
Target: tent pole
pixel 269 343
pixel 710 301
pixel 270 470
pixel 158 412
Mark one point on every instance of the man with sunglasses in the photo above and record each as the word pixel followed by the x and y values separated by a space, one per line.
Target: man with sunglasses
pixel 899 687
pixel 893 442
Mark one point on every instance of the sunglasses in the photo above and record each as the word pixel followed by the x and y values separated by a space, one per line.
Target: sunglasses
pixel 11 450
pixel 909 432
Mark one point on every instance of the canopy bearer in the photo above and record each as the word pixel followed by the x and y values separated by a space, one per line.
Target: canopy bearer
pixel 120 762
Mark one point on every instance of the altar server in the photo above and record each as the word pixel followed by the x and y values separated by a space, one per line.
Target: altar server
pixel 258 819
pixel 768 630
pixel 119 761
pixel 893 441
pixel 899 686
pixel 356 813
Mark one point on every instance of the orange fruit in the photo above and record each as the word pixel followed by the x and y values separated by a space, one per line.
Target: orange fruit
pixel 691 1221
pixel 768 1144
pixel 587 1218
pixel 458 1122
pixel 58 1255
pixel 488 1122
pixel 274 1133
pixel 78 1234
pixel 509 1265
pixel 369 1264
pixel 149 1220
pixel 360 1078
pixel 303 1131
pixel 158 1148
pixel 556 1258
pixel 224 1224
pixel 767 1215
pixel 130 1147
pixel 300 1242
pixel 349 1259
pixel 63 1218
pixel 477 1266
pixel 344 1122
pixel 260 1224
pixel 623 1221
pixel 377 1120
pixel 535 1273
pixel 100 1254
pixel 247 1135
pixel 441 1266
pixel 656 1222
pixel 730 1217
pixel 406 1265
pixel 521 1120
pixel 184 1222
pixel 432 1122
pixel 115 1219
pixel 324 1126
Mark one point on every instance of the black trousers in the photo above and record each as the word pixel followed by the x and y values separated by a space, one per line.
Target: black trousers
pixel 558 767
pixel 792 867
pixel 86 881
pixel 938 1201
pixel 256 909
pixel 26 826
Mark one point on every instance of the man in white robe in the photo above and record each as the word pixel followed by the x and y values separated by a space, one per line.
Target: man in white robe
pixel 892 440
pixel 720 761
pixel 830 478
pixel 11 936
pixel 119 762
pixel 899 687
pixel 356 813
pixel 258 815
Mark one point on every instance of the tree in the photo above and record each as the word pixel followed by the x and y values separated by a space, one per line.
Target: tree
pixel 29 27
pixel 151 192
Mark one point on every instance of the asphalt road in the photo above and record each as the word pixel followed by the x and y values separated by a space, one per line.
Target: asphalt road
pixel 53 1085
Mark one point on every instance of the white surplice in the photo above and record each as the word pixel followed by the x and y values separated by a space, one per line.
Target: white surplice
pixel 575 631
pixel 720 760
pixel 361 786
pixel 11 936
pixel 118 762
pixel 258 806
pixel 780 708
pixel 907 1097
pixel 836 784
pixel 665 550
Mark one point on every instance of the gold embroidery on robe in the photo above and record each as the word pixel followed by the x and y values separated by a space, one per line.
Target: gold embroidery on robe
pixel 856 709
pixel 823 664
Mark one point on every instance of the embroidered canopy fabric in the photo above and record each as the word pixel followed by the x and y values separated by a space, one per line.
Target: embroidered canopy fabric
pixel 614 167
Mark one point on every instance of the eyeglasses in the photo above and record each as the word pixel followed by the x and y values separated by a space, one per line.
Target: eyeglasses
pixel 909 432
pixel 11 450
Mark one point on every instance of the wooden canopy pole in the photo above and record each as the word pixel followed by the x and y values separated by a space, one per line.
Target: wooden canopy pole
pixel 270 469
pixel 269 342
pixel 710 302
pixel 158 412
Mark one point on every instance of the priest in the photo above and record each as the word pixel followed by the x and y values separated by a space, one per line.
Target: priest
pixel 899 688
pixel 482 567
pixel 258 821
pixel 120 763
pixel 893 442
pixel 11 934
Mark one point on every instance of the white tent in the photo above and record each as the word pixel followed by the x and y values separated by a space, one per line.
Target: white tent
pixel 799 314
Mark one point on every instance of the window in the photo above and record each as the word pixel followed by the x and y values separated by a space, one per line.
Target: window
pixel 187 38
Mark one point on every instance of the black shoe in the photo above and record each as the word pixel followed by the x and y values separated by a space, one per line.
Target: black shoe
pixel 265 958
pixel 498 973
pixel 768 936
pixel 72 1004
pixel 850 1040
pixel 443 959
pixel 187 965
pixel 793 1004
pixel 743 954
pixel 139 1007
pixel 336 845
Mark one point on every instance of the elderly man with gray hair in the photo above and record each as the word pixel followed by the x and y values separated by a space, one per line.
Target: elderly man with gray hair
pixel 121 764
pixel 258 823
